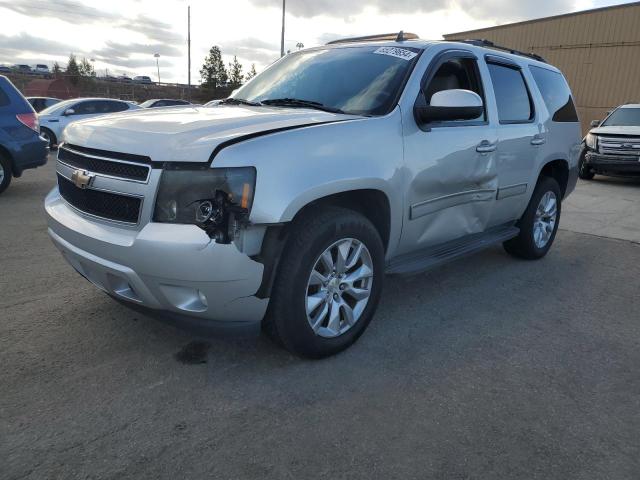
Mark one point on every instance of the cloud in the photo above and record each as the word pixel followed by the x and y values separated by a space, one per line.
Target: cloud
pixel 499 10
pixel 26 43
pixel 151 28
pixel 251 49
pixel 63 9
pixel 124 50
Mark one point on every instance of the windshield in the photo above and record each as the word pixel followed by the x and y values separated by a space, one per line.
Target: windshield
pixel 58 107
pixel 623 117
pixel 357 80
pixel 148 103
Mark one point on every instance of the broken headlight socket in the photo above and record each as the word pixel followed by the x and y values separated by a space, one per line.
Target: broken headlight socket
pixel 217 200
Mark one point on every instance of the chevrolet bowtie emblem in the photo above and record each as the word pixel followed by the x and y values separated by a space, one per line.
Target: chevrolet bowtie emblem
pixel 81 178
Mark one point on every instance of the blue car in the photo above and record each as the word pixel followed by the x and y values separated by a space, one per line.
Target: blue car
pixel 20 144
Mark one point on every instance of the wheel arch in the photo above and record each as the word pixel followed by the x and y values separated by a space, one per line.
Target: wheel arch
pixel 373 204
pixel 558 169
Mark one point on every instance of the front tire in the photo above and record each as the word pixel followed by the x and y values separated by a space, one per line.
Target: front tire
pixel 328 283
pixel 5 173
pixel 584 171
pixel 539 224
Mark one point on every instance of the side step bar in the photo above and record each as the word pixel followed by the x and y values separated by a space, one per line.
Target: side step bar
pixel 432 257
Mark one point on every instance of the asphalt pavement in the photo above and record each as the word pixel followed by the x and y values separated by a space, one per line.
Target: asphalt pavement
pixel 487 368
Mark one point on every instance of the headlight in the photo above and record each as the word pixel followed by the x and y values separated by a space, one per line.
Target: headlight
pixel 591 141
pixel 215 199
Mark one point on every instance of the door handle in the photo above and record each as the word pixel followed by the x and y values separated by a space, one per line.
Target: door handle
pixel 538 140
pixel 486 147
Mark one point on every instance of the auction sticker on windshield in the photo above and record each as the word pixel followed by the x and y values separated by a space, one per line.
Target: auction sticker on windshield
pixel 396 52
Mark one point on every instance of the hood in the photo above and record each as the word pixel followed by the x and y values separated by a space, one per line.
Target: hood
pixel 633 131
pixel 187 134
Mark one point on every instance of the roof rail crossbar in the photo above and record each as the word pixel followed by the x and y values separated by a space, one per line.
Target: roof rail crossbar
pixel 389 37
pixel 481 42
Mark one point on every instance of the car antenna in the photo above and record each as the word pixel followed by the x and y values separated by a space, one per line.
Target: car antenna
pixel 400 37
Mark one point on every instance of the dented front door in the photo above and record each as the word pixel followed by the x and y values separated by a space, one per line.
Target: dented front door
pixel 452 182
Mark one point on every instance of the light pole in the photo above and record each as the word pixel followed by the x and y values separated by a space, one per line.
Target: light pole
pixel 282 35
pixel 157 55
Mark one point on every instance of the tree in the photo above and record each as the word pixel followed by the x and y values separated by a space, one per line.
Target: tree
pixel 213 72
pixel 235 72
pixel 72 71
pixel 251 73
pixel 56 70
pixel 86 68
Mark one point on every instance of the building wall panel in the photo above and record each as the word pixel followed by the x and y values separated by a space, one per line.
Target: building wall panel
pixel 598 51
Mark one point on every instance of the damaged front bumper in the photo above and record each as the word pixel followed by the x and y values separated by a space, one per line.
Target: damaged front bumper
pixel 617 164
pixel 165 268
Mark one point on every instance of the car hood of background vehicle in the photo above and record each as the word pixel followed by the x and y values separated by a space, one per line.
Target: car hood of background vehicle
pixel 631 131
pixel 187 134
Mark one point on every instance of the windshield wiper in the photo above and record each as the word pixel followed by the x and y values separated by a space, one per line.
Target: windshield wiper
pixel 296 102
pixel 239 101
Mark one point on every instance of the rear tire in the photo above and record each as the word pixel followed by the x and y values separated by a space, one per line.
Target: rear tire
pixel 539 224
pixel 308 274
pixel 584 171
pixel 5 173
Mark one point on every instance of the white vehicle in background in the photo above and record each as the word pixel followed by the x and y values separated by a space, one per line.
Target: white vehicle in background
pixel 54 119
pixel 41 69
pixel 143 79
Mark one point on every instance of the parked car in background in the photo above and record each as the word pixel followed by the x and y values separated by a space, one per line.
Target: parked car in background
pixel 21 68
pixel 41 69
pixel 21 147
pixel 124 79
pixel 143 79
pixel 612 147
pixel 40 103
pixel 285 206
pixel 54 119
pixel 163 102
pixel 4 69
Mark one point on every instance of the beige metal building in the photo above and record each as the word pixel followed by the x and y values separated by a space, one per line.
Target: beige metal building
pixel 598 51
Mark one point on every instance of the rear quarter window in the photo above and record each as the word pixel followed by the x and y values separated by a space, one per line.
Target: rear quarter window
pixel 555 93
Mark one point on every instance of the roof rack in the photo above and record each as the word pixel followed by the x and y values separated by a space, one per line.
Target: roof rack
pixel 489 44
pixel 389 37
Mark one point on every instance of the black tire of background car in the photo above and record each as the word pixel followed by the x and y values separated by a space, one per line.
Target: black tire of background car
pixel 53 141
pixel 286 320
pixel 6 165
pixel 523 246
pixel 584 172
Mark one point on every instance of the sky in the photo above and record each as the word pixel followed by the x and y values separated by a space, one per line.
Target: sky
pixel 122 36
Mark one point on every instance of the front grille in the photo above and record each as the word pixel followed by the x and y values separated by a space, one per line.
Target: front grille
pixel 125 170
pixel 107 205
pixel 619 145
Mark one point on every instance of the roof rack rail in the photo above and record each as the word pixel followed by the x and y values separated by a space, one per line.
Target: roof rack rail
pixel 481 42
pixel 389 37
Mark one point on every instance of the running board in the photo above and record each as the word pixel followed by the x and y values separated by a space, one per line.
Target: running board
pixel 417 262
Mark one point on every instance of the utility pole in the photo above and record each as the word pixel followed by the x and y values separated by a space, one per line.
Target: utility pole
pixel 282 36
pixel 189 50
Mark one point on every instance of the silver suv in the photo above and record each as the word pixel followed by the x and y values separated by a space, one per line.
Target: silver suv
pixel 285 206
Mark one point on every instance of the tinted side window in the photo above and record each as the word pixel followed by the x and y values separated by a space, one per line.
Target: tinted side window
pixel 160 103
pixel 86 108
pixel 4 99
pixel 512 96
pixel 556 94
pixel 116 107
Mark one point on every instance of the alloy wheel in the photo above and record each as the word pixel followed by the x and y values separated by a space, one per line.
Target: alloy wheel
pixel 545 219
pixel 339 287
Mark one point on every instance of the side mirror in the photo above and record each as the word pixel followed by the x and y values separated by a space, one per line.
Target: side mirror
pixel 449 105
pixel 595 123
pixel 69 111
